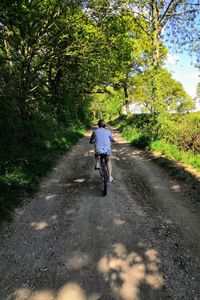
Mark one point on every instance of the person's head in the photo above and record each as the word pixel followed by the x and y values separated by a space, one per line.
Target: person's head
pixel 101 123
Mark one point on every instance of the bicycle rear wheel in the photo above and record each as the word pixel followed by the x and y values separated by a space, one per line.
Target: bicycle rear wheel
pixel 105 177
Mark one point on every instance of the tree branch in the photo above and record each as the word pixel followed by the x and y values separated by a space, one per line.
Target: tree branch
pixel 167 9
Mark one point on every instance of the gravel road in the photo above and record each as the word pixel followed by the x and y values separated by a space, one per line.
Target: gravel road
pixel 140 242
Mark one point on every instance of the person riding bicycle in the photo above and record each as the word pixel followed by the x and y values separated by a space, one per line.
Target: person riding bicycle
pixel 102 138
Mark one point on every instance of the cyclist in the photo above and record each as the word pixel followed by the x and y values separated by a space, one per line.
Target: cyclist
pixel 102 138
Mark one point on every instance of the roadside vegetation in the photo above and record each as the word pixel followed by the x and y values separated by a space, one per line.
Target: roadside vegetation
pixel 175 136
pixel 66 63
pixel 29 157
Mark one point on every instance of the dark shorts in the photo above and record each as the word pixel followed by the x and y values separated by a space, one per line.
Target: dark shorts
pixel 106 150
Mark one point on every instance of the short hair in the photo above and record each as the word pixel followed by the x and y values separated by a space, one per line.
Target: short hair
pixel 101 123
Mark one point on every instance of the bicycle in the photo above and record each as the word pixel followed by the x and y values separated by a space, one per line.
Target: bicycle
pixel 104 172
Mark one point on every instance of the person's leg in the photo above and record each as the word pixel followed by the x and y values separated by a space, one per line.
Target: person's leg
pixel 109 166
pixel 97 162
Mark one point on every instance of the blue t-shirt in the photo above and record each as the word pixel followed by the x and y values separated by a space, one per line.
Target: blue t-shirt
pixel 102 138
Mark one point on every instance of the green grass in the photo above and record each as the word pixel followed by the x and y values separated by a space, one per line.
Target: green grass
pixel 23 167
pixel 142 139
pixel 172 152
pixel 135 137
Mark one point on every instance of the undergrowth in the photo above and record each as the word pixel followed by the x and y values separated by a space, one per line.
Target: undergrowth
pixel 25 162
pixel 167 139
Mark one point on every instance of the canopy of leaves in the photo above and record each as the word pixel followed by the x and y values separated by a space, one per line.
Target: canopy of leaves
pixel 55 54
pixel 170 94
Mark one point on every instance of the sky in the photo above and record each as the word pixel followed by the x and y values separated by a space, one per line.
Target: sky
pixel 181 66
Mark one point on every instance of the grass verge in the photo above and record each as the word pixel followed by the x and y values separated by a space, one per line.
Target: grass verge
pixel 22 171
pixel 142 140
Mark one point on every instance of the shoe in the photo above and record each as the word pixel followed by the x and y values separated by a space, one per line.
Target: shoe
pixel 97 166
pixel 111 179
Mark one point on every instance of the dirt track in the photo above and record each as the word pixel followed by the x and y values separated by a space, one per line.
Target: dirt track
pixel 141 241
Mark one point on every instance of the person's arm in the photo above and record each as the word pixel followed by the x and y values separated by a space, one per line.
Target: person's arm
pixel 92 138
pixel 111 136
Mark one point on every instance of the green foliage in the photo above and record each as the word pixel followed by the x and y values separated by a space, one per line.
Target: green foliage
pixel 173 152
pixel 41 142
pixel 158 92
pixel 136 137
pixel 177 138
pixel 108 104
pixel 183 130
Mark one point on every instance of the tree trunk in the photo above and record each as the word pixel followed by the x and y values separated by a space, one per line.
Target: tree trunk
pixel 156 32
pixel 125 87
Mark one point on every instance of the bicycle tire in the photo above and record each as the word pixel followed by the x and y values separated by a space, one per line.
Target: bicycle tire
pixel 105 177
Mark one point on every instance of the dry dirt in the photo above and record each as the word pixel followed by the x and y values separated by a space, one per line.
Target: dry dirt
pixel 141 241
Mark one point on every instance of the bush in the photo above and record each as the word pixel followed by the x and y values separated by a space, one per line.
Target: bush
pixel 135 137
pixel 183 131
pixel 175 136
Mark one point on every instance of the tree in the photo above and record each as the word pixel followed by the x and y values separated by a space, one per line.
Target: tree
pixel 107 105
pixel 177 17
pixel 129 45
pixel 170 94
pixel 52 55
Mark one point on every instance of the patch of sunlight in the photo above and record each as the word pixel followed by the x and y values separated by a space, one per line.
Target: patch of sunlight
pixel 79 180
pixel 176 188
pixel 126 272
pixel 88 134
pixel 26 294
pixel 39 225
pixel 71 291
pixel 120 141
pixel 155 280
pixel 133 257
pixel 119 250
pixel 15 175
pixel 118 221
pixel 137 152
pixel 77 261
pixel 19 294
pixel 90 151
pixel 42 295
pixel 115 157
pixel 50 196
pixel 151 254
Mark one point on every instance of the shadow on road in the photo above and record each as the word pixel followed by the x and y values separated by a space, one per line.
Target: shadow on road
pixel 119 273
